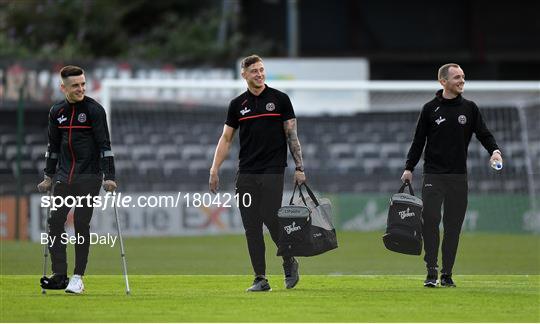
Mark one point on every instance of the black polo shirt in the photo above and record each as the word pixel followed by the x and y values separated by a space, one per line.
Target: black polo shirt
pixel 263 145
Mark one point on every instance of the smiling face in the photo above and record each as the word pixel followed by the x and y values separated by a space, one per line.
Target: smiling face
pixel 454 82
pixel 74 88
pixel 254 75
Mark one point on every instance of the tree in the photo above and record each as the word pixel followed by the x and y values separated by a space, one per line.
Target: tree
pixel 175 31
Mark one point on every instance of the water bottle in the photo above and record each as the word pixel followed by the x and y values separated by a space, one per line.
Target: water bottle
pixel 497 165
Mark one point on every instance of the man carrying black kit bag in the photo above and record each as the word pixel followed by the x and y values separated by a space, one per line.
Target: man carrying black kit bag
pixel 306 230
pixel 404 225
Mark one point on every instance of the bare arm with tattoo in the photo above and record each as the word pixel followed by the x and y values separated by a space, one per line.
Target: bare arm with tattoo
pixel 295 149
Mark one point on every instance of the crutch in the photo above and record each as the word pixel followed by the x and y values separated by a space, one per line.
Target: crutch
pixel 122 252
pixel 45 246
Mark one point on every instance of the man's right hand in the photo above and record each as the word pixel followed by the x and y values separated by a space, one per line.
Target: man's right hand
pixel 407 175
pixel 45 185
pixel 109 185
pixel 213 182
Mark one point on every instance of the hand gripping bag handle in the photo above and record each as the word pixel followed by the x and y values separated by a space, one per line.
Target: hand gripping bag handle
pixel 407 183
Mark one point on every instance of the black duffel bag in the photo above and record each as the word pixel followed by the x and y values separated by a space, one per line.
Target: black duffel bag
pixel 306 228
pixel 404 224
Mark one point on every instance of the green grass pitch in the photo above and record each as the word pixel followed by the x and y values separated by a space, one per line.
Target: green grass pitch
pixel 202 279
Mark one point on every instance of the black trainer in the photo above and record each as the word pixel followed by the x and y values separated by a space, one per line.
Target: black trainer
pixel 55 281
pixel 431 279
pixel 290 268
pixel 446 280
pixel 260 284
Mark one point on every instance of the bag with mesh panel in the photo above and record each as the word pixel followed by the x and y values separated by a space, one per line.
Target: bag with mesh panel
pixel 306 227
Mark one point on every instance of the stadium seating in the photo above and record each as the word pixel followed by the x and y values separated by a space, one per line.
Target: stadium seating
pixel 159 150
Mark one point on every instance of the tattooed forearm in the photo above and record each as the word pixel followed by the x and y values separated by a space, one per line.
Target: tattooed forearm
pixel 292 140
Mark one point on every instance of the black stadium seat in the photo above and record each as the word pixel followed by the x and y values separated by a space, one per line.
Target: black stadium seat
pixel 365 152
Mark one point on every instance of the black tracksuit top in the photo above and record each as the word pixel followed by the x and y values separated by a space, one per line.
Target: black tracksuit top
pixel 263 144
pixel 448 125
pixel 79 143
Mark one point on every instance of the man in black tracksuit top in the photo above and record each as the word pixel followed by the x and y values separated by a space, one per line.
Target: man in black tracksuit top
pixel 447 123
pixel 79 158
pixel 267 124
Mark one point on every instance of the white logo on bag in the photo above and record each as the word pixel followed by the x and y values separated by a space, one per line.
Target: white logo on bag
pixel 439 120
pixel 245 111
pixel 405 213
pixel 292 228
pixel 289 211
pixel 61 119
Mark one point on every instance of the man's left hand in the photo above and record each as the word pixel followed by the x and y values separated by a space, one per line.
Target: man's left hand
pixel 299 177
pixel 109 185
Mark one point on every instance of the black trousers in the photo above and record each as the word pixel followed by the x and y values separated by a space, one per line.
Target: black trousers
pixel 451 191
pixel 81 219
pixel 266 191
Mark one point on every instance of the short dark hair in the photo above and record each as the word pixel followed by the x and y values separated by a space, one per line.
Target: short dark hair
pixel 252 59
pixel 71 70
pixel 443 70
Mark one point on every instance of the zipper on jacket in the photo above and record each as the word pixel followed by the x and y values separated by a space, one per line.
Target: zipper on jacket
pixel 70 145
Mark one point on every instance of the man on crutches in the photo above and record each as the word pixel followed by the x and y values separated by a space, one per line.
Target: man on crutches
pixel 80 159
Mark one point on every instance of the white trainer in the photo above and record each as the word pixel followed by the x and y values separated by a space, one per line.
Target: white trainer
pixel 75 285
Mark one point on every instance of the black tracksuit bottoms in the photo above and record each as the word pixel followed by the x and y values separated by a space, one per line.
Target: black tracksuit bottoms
pixel 81 219
pixel 449 190
pixel 266 191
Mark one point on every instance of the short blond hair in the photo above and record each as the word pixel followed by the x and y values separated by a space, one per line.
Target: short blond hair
pixel 443 70
pixel 252 59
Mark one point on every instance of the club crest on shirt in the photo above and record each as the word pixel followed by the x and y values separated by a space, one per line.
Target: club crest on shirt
pixel 245 111
pixel 81 118
pixel 462 119
pixel 270 106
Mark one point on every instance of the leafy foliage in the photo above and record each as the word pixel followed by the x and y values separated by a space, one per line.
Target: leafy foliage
pixel 174 31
